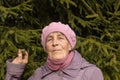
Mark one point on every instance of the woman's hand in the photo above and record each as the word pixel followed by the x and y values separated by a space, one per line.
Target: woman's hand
pixel 22 57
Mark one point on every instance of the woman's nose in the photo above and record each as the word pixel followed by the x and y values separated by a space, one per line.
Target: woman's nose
pixel 54 42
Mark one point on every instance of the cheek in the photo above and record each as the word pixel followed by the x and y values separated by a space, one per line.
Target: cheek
pixel 47 47
pixel 66 46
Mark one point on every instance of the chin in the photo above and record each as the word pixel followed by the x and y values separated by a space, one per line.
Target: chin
pixel 58 58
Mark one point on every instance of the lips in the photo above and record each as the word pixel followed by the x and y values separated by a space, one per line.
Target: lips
pixel 56 50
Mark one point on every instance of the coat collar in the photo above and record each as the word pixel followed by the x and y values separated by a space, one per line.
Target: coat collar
pixel 73 69
pixel 78 63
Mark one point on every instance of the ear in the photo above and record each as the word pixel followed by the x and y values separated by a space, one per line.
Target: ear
pixel 70 47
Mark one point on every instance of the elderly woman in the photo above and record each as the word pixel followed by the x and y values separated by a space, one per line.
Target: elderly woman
pixel 63 62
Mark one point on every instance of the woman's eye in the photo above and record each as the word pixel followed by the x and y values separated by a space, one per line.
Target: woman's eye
pixel 49 39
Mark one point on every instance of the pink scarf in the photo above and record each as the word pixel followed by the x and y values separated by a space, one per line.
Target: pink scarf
pixel 60 64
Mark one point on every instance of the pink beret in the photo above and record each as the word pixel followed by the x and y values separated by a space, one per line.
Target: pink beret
pixel 59 27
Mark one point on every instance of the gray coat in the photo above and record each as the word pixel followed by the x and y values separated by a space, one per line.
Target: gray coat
pixel 79 69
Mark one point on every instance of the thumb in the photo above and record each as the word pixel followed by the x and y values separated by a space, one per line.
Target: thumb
pixel 18 59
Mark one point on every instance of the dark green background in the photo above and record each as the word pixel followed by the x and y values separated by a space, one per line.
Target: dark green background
pixel 96 23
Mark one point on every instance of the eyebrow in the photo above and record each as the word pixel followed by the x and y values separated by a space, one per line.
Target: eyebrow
pixel 61 35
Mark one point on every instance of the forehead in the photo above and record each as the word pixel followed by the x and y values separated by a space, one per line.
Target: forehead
pixel 56 33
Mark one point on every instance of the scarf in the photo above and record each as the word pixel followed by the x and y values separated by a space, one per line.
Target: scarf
pixel 60 64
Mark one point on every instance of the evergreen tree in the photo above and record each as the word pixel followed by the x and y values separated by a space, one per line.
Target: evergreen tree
pixel 96 23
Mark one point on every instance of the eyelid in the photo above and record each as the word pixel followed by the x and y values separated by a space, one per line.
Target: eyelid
pixel 49 38
pixel 59 37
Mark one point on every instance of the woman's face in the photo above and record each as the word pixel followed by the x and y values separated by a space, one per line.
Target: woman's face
pixel 57 46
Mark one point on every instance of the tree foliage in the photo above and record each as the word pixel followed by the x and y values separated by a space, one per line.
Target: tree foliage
pixel 96 23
